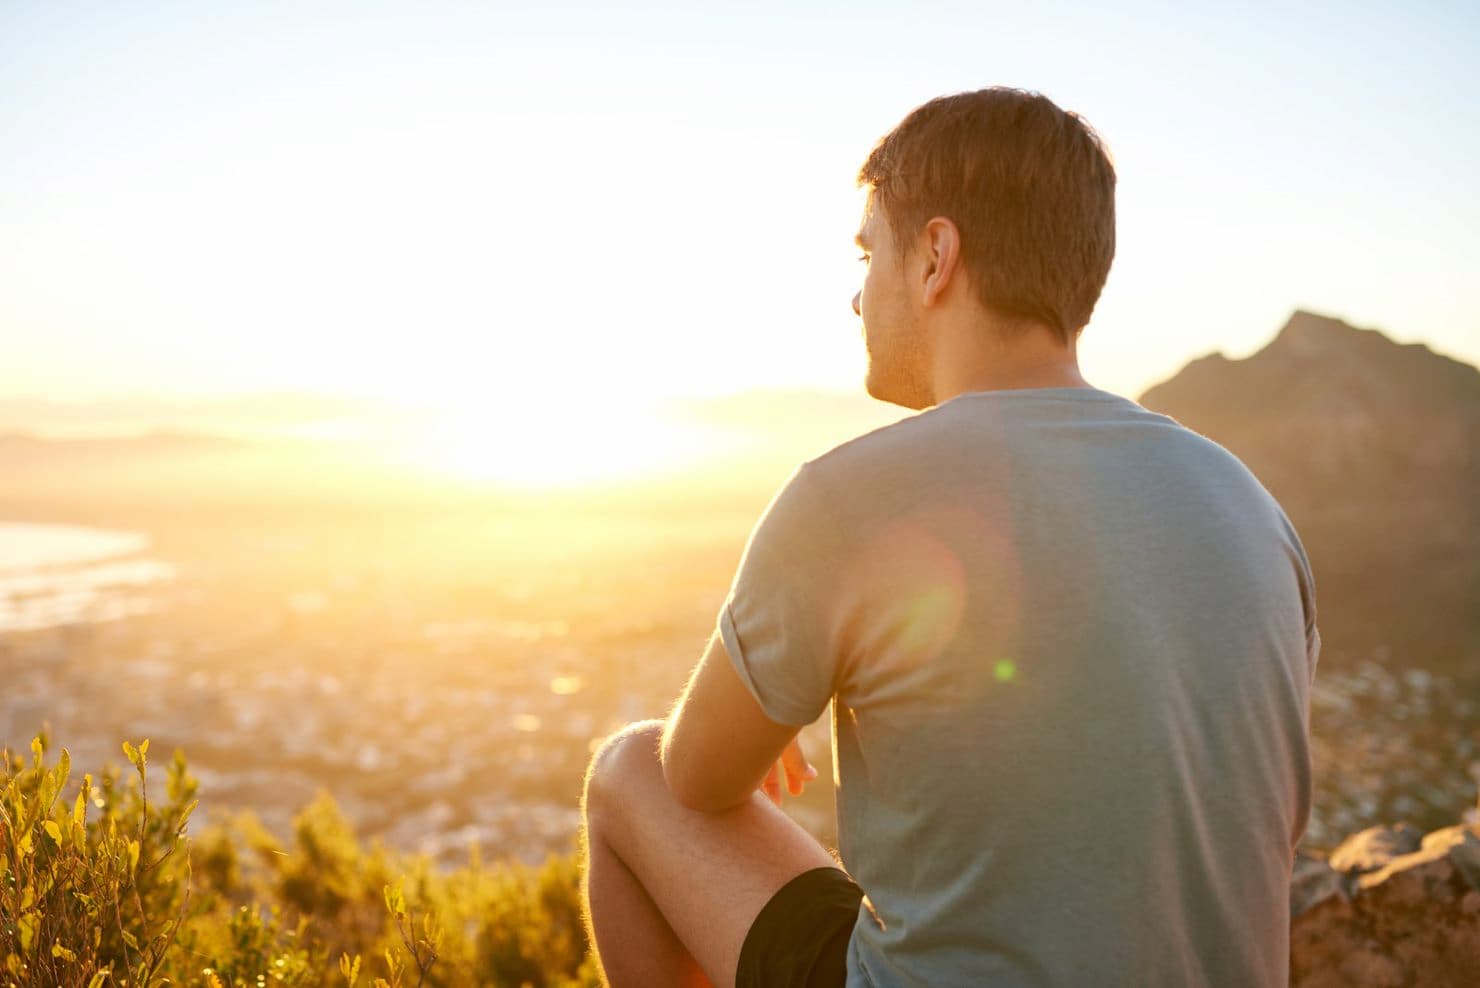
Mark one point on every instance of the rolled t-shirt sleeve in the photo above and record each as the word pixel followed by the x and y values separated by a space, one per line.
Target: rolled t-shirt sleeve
pixel 778 620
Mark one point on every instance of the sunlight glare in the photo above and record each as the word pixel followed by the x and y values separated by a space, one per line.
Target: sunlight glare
pixel 558 445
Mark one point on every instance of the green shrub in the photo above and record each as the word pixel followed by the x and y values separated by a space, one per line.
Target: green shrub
pixel 85 900
pixel 104 887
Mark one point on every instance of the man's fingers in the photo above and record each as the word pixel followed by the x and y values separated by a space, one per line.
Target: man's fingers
pixel 798 771
pixel 791 769
pixel 771 784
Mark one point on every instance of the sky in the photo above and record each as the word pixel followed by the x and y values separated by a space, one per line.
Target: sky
pixel 485 207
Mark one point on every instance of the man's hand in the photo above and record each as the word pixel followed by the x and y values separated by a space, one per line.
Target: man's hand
pixel 794 767
pixel 718 742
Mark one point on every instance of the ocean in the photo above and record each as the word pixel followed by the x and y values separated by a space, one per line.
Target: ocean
pixel 68 574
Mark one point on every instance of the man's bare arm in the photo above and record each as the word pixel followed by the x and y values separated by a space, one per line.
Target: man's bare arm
pixel 719 746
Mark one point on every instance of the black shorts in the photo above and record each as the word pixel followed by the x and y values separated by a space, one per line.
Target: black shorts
pixel 800 939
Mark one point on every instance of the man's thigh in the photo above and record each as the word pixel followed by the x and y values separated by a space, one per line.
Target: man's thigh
pixel 708 873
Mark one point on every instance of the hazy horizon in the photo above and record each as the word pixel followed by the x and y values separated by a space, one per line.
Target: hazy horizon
pixel 467 210
pixel 739 430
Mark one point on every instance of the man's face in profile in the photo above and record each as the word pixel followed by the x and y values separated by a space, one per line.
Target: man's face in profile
pixel 898 355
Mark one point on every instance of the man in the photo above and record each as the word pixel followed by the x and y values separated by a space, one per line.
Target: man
pixel 1068 643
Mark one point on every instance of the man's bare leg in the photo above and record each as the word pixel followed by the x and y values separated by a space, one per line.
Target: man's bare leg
pixel 633 942
pixel 671 892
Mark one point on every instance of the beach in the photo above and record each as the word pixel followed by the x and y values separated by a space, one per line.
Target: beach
pixel 65 574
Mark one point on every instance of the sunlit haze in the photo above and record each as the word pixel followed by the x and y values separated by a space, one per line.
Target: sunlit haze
pixel 402 402
pixel 540 226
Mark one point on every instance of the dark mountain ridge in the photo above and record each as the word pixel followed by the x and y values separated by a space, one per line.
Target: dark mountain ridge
pixel 1373 449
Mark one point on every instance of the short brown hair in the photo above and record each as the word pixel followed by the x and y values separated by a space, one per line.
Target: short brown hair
pixel 1030 187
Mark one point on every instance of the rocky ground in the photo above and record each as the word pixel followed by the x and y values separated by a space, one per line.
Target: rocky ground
pixel 1391 907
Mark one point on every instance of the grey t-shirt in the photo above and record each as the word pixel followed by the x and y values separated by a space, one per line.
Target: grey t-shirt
pixel 1069 645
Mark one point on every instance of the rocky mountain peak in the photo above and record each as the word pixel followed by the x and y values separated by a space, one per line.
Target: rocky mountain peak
pixel 1372 447
pixel 1309 332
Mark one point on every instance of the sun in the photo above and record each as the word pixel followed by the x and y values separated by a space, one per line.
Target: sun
pixel 557 445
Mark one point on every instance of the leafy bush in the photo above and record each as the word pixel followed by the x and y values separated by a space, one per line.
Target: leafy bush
pixel 104 887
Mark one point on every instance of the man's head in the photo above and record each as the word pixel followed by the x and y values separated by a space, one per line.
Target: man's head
pixel 1020 197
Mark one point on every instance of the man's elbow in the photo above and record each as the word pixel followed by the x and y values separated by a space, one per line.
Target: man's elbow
pixel 695 789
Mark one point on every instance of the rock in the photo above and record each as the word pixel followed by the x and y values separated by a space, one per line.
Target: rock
pixel 1368 967
pixel 1412 922
pixel 1371 849
pixel 1451 850
pixel 1312 882
pixel 1357 434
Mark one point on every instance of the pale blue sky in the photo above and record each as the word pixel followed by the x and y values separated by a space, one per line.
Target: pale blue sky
pixel 480 206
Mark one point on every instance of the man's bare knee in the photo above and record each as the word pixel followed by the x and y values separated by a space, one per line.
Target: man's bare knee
pixel 622 761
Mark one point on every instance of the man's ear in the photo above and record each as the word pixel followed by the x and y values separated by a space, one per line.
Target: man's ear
pixel 940 246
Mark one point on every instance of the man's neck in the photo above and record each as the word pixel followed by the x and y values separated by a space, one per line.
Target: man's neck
pixel 979 358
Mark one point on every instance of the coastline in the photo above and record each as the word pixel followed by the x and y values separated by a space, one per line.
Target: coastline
pixel 61 574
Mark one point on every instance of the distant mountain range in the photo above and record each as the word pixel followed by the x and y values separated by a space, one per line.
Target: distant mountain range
pixel 263 414
pixel 99 461
pixel 19 449
pixel 1373 449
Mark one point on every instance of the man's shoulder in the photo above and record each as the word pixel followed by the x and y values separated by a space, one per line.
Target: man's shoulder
pixel 887 458
pixel 976 436
pixel 968 419
pixel 876 444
